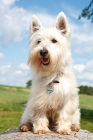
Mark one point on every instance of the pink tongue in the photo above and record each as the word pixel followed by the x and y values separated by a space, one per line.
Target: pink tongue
pixel 45 60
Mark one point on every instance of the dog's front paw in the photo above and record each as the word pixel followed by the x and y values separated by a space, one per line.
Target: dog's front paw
pixel 64 131
pixel 25 127
pixel 75 127
pixel 41 131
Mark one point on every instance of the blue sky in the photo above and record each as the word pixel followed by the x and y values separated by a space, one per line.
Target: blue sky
pixel 15 17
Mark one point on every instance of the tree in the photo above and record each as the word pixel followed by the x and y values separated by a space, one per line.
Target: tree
pixel 88 12
pixel 28 83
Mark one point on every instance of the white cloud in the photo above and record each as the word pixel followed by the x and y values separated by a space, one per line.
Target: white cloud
pixel 82 37
pixel 46 19
pixel 4 69
pixel 1 55
pixel 7 2
pixel 80 68
pixel 16 75
pixel 81 31
pixel 18 72
pixel 23 66
pixel 86 83
pixel 84 73
pixel 90 64
pixel 14 21
pixel 13 24
pixel 86 76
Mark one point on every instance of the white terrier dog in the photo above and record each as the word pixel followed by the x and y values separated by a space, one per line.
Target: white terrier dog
pixel 54 92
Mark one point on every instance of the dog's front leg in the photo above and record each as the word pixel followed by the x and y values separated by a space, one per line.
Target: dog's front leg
pixel 63 126
pixel 64 120
pixel 40 124
pixel 26 120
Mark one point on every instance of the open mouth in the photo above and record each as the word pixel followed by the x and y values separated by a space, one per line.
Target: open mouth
pixel 45 61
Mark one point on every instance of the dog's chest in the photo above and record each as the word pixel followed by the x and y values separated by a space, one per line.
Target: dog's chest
pixel 50 86
pixel 52 95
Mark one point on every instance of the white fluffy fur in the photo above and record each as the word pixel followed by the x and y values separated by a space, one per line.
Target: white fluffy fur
pixel 62 104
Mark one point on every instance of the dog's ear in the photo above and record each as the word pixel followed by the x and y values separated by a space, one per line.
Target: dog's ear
pixel 61 24
pixel 35 24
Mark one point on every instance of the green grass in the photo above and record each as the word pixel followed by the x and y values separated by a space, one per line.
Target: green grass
pixel 86 106
pixel 12 102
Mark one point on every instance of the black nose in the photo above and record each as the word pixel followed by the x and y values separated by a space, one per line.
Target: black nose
pixel 43 52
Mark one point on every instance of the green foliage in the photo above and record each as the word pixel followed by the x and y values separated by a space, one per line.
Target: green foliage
pixel 88 12
pixel 86 90
pixel 29 83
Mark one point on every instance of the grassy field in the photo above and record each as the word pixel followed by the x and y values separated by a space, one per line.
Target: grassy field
pixel 86 106
pixel 12 102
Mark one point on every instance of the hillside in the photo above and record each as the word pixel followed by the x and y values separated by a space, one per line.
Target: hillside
pixel 13 100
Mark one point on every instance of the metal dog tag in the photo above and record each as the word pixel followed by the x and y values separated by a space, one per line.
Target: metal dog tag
pixel 50 88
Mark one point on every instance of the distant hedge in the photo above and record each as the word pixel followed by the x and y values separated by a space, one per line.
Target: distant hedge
pixel 86 90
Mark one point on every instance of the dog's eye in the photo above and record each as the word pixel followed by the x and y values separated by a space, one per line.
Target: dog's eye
pixel 38 41
pixel 54 40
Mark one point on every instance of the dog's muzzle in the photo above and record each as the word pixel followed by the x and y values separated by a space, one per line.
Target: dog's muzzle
pixel 44 57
